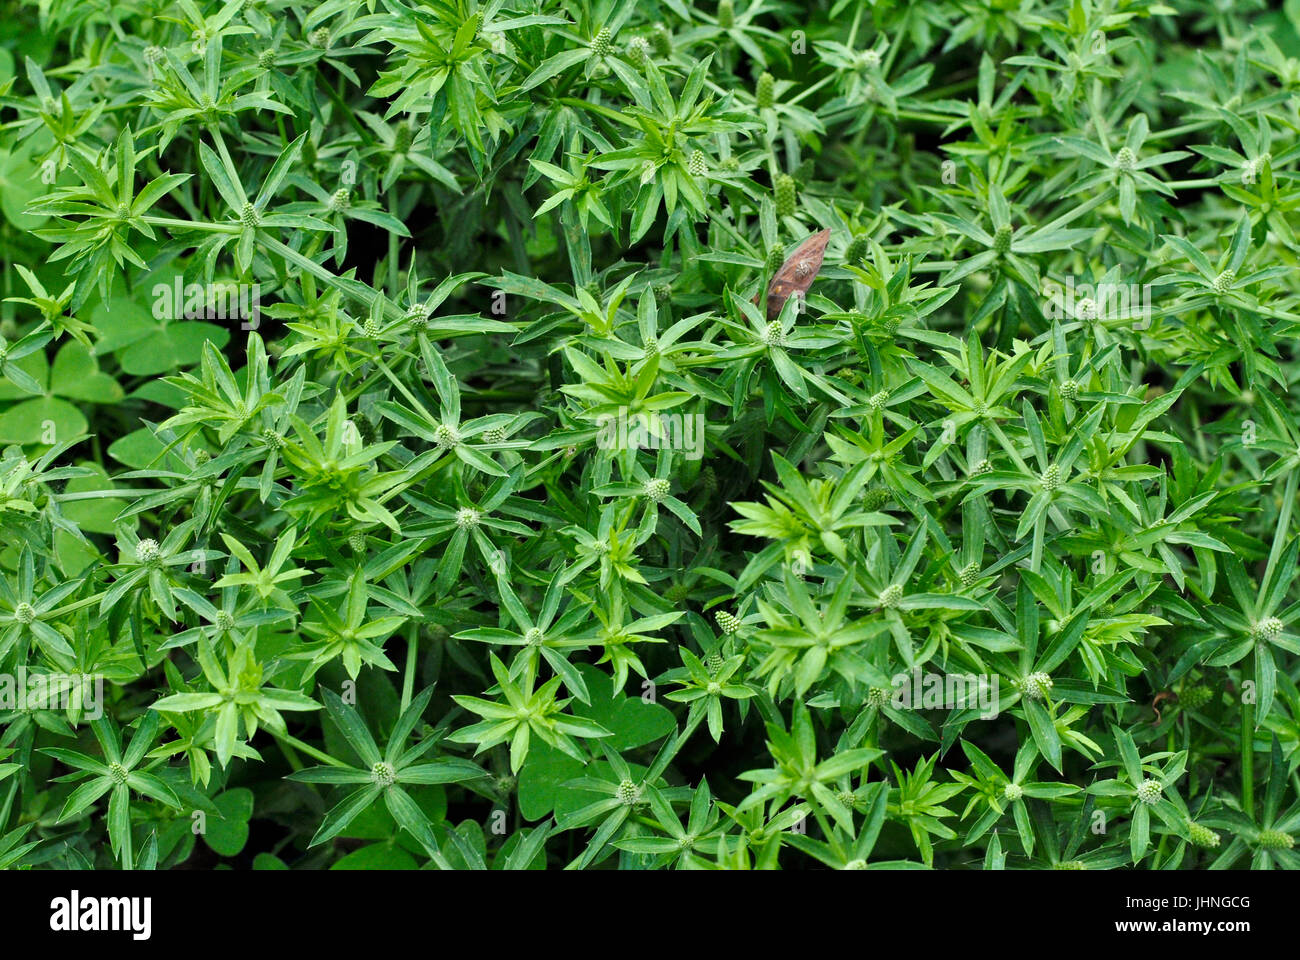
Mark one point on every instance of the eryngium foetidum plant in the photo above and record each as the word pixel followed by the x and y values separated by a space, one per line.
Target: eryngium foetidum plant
pixel 649 435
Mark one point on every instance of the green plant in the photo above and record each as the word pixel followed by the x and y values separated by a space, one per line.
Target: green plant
pixel 697 436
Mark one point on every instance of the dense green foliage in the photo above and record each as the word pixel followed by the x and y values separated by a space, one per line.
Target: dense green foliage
pixel 403 465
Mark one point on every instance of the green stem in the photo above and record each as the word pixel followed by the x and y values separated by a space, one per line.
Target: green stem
pixel 1248 742
pixel 408 678
pixel 311 751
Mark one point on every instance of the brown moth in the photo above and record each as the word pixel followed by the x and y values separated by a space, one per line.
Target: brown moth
pixel 797 273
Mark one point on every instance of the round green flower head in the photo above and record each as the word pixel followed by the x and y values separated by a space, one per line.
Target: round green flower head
pixel 970 574
pixel 467 517
pixel 341 200
pixel 495 435
pixel 446 436
pixel 1002 239
pixel 266 59
pixel 382 774
pixel 891 595
pixel 1224 281
pixel 403 137
pixel 600 43
pixel 775 257
pixel 875 498
pixel 697 166
pixel 726 14
pixel 638 52
pixel 628 792
pixel 25 613
pixel 148 552
pixel 319 38
pixel 1036 686
pixel 1193 698
pixel 713 662
pixel 117 772
pixel 248 216
pixel 728 623
pixel 656 490
pixel 225 622
pixel 765 93
pixel 1013 791
pixel 1070 390
pixel 1148 791
pixel 1268 629
pixel 773 334
pixel 877 697
pixel 857 249
pixel 1051 477
pixel 1124 160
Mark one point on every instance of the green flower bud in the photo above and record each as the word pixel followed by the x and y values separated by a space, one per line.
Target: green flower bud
pixel 600 43
pixel 784 189
pixel 1202 836
pixel 858 249
pixel 446 436
pixel 1148 791
pixel 891 596
pixel 765 93
pixel 661 40
pixel 1036 686
pixel 726 14
pixel 1275 840
pixel 697 166
pixel 1002 239
pixel 875 498
pixel 656 490
pixel 148 552
pixel 638 52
